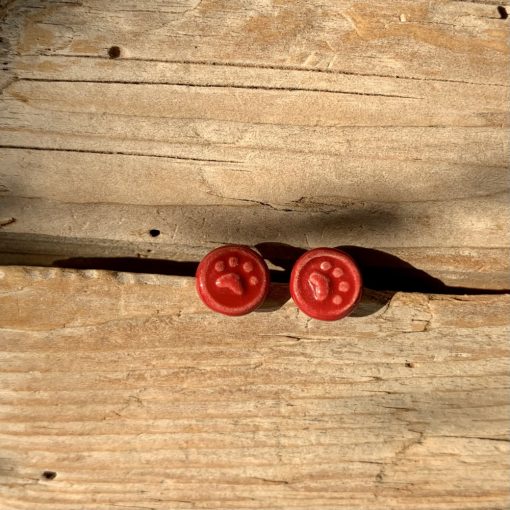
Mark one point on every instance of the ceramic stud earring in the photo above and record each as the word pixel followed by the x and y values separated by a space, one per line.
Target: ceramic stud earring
pixel 232 280
pixel 325 283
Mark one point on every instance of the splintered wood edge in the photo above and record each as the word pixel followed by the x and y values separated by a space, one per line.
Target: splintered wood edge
pixel 157 294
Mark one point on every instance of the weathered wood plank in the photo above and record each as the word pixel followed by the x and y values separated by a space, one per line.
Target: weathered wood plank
pixel 137 396
pixel 449 40
pixel 381 124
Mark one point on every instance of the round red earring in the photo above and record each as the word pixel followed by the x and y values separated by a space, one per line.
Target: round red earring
pixel 325 283
pixel 232 280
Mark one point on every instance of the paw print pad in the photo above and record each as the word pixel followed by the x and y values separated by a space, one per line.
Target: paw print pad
pixel 233 280
pixel 325 284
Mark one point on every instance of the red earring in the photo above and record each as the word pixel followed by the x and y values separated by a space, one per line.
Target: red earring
pixel 232 280
pixel 325 283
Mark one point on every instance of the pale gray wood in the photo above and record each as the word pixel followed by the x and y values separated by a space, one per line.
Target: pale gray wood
pixel 381 124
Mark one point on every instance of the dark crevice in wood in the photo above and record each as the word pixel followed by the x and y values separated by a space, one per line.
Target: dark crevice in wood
pixel 221 86
pixel 114 52
pixel 503 14
pixel 49 475
pixel 117 153
pixel 280 67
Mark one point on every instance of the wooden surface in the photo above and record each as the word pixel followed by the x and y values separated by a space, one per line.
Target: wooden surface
pixel 379 124
pixel 131 394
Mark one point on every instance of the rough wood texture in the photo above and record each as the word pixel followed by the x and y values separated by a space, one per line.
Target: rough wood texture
pixel 381 124
pixel 136 396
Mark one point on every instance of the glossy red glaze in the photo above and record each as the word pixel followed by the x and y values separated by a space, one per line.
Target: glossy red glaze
pixel 325 284
pixel 232 280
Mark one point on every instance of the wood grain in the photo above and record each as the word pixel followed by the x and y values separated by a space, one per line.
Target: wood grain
pixel 377 124
pixel 131 394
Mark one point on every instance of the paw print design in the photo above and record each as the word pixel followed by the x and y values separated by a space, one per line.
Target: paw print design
pixel 325 284
pixel 233 280
pixel 326 281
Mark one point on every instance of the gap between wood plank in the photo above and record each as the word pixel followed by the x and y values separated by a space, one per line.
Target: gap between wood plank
pixel 402 277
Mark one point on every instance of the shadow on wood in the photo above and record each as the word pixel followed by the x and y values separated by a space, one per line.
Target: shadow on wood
pixel 383 274
pixel 380 270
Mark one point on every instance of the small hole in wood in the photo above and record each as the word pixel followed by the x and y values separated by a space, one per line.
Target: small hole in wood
pixel 114 52
pixel 503 14
pixel 409 364
pixel 154 232
pixel 49 475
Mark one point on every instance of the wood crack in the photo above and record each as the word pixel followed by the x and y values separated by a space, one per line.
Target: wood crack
pixel 218 86
pixel 251 201
pixel 271 481
pixel 250 65
pixel 479 438
pixel 118 153
pixel 381 476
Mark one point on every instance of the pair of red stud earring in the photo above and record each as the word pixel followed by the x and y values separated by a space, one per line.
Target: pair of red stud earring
pixel 325 283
